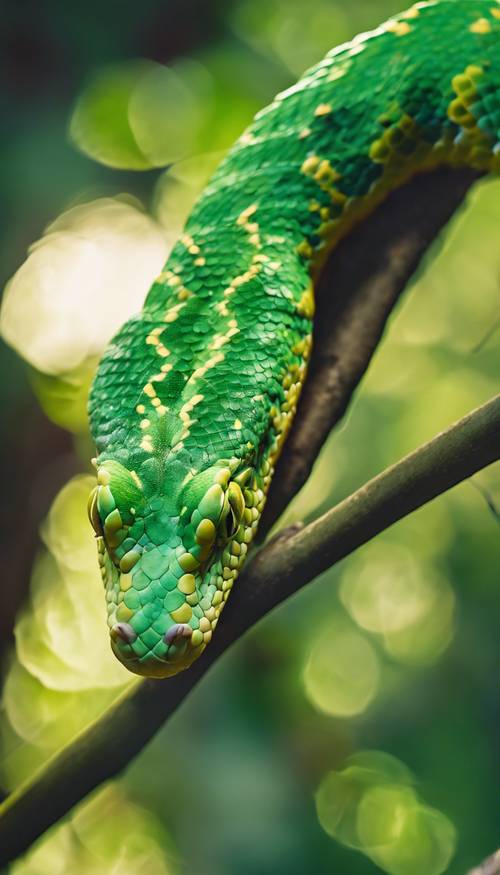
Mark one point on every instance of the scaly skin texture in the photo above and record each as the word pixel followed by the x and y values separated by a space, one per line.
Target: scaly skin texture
pixel 195 395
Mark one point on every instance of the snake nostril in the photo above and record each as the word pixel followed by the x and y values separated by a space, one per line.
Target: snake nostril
pixel 125 632
pixel 179 630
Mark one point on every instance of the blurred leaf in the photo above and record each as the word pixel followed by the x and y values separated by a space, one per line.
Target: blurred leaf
pixel 49 718
pixel 100 124
pixel 65 531
pixel 64 399
pixel 166 110
pixel 19 760
pixel 80 282
pixel 62 639
pixel 106 835
pixel 140 114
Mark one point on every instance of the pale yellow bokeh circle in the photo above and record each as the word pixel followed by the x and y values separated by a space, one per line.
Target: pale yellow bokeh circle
pixel 341 676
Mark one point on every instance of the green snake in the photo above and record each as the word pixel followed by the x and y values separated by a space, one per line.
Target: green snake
pixel 194 397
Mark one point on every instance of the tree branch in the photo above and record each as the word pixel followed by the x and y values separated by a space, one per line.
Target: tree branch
pixel 358 289
pixel 284 565
pixel 491 866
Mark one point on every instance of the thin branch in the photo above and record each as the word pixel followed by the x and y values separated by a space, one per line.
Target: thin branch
pixel 486 337
pixel 490 504
pixel 359 287
pixel 491 866
pixel 284 565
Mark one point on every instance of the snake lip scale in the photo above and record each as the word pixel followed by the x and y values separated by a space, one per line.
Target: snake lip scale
pixel 195 395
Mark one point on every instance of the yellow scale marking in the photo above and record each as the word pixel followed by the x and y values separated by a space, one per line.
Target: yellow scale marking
pixel 481 26
pixel 399 28
pixel 185 412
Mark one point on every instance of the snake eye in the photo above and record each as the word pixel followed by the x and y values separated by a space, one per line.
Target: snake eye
pixel 93 513
pixel 232 512
pixel 229 525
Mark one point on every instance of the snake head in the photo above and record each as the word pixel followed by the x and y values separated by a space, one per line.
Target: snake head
pixel 169 558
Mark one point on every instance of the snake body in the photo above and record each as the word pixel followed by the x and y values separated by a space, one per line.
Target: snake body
pixel 195 395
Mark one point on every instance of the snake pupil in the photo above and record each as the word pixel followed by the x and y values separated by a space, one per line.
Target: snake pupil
pixel 93 513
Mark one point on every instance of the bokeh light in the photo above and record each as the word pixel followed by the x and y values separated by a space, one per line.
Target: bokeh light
pixel 392 591
pixel 403 836
pixel 46 717
pixel 371 805
pixel 167 109
pixel 63 674
pixel 280 28
pixel 100 125
pixel 67 648
pixel 107 835
pixel 423 641
pixel 140 114
pixel 339 795
pixel 341 675
pixel 385 588
pixel 88 273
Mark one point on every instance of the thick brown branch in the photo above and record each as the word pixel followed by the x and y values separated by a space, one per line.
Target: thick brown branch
pixel 287 563
pixel 359 287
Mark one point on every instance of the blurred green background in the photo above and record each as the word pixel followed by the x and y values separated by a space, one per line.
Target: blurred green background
pixel 355 730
